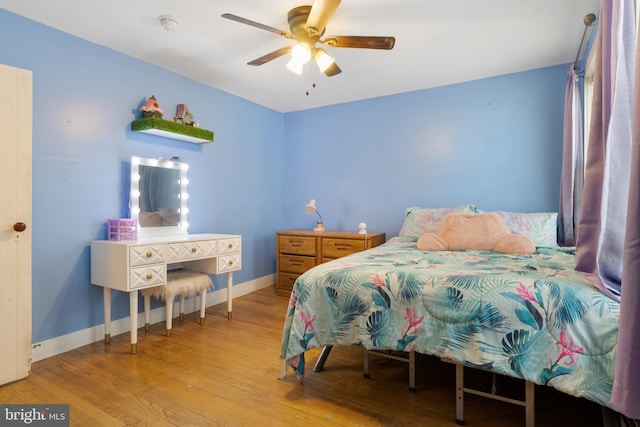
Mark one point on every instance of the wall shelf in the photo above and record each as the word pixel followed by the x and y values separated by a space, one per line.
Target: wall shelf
pixel 167 129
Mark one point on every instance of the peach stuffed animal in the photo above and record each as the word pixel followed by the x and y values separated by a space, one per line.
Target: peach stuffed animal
pixel 483 232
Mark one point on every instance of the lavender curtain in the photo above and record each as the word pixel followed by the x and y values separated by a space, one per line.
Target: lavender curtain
pixel 589 224
pixel 626 387
pixel 601 230
pixel 572 177
pixel 608 238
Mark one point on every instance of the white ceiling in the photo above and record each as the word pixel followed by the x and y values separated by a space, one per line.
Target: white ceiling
pixel 438 42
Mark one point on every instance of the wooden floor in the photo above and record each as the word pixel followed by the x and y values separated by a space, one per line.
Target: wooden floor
pixel 225 374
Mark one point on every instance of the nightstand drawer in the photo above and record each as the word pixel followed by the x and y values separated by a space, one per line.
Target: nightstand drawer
pixel 286 281
pixel 299 250
pixel 337 248
pixel 296 264
pixel 297 245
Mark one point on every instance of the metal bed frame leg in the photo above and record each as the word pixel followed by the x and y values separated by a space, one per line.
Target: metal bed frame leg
pixel 366 366
pixel 412 363
pixel 323 358
pixel 412 370
pixel 528 402
pixel 411 360
pixel 459 394
pixel 530 410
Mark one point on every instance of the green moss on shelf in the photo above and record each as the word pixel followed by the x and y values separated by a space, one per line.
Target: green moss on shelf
pixel 172 127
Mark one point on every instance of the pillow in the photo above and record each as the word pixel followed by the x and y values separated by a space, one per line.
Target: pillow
pixel 481 232
pixel 540 227
pixel 418 221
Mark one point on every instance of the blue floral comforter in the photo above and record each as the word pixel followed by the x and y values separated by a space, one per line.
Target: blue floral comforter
pixel 531 317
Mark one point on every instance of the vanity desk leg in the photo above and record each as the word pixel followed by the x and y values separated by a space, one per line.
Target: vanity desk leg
pixel 133 320
pixel 107 315
pixel 229 293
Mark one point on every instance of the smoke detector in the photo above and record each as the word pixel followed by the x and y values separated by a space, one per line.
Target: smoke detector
pixel 169 23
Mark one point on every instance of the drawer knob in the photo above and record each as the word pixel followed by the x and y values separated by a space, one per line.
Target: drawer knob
pixel 230 245
pixel 193 250
pixel 149 276
pixel 149 254
pixel 230 262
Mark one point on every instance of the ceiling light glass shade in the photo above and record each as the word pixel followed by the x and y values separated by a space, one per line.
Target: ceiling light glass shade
pixel 301 53
pixel 294 66
pixel 323 60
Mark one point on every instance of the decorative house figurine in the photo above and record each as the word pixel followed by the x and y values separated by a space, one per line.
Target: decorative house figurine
pixel 183 127
pixel 151 108
pixel 183 115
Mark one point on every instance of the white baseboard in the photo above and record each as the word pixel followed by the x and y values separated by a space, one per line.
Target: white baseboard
pixel 64 343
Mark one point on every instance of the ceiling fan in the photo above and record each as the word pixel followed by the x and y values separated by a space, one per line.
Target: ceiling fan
pixel 307 25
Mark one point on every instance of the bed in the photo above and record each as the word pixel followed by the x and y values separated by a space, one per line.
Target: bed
pixel 531 317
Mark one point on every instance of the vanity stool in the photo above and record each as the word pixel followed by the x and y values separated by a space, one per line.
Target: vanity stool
pixel 180 283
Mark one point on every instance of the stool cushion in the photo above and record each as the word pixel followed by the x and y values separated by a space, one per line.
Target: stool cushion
pixel 180 282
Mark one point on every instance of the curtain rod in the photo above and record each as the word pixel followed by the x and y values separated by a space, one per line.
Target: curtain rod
pixel 588 20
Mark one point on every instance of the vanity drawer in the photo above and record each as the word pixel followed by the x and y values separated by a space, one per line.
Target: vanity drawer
pixel 227 246
pixel 147 254
pixel 296 263
pixel 229 263
pixel 191 250
pixel 337 248
pixel 297 245
pixel 144 277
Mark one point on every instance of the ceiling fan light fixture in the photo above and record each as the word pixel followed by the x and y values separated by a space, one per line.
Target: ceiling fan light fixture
pixel 301 53
pixel 307 26
pixel 294 66
pixel 323 59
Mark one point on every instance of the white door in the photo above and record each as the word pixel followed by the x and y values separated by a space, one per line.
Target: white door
pixel 15 223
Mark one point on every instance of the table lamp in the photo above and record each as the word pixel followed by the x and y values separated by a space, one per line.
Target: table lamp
pixel 311 209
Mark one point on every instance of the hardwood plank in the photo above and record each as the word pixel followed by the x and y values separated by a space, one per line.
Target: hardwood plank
pixel 225 374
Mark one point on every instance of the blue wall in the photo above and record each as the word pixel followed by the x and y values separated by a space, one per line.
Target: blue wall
pixel 494 142
pixel 85 97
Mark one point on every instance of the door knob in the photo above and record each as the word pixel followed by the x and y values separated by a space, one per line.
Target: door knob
pixel 19 227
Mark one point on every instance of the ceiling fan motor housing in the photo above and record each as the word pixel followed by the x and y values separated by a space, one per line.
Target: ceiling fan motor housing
pixel 297 19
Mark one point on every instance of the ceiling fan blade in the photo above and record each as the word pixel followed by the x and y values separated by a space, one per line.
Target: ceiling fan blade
pixel 361 42
pixel 321 12
pixel 332 70
pixel 271 56
pixel 246 21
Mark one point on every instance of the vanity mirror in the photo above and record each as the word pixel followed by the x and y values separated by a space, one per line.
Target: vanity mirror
pixel 158 197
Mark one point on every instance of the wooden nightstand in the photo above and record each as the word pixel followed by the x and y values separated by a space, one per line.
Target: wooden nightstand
pixel 299 250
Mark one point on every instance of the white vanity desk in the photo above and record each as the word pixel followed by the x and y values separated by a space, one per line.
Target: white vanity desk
pixel 129 266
